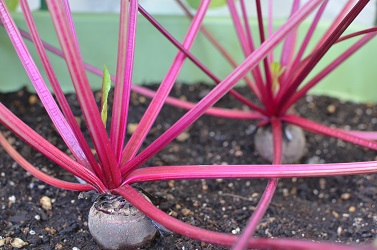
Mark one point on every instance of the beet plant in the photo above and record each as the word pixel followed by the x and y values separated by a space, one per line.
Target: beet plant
pixel 117 162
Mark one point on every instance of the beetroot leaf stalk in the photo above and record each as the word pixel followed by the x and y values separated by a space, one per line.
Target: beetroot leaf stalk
pixel 85 96
pixel 277 87
pixel 158 100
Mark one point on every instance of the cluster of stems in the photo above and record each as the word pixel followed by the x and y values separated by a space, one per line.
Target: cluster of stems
pixel 277 84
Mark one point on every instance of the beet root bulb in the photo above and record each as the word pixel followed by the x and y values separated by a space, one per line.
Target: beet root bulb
pixel 115 224
pixel 293 147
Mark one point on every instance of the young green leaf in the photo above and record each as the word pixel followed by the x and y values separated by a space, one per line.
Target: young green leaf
pixel 276 71
pixel 106 85
pixel 214 4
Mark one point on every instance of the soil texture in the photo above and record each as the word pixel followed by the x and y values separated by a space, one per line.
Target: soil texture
pixel 335 209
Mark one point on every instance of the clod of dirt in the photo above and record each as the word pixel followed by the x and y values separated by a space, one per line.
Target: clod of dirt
pixel 293 147
pixel 115 224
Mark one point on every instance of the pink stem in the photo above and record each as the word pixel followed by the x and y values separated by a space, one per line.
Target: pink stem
pixel 158 101
pixel 367 135
pixel 191 172
pixel 289 45
pixel 189 55
pixel 68 14
pixel 257 216
pixel 324 130
pixel 221 49
pixel 307 38
pixel 245 17
pixel 42 90
pixel 269 102
pixel 300 93
pixel 247 50
pixel 268 193
pixel 220 90
pixel 84 93
pixel 358 33
pixel 89 161
pixel 38 173
pixel 322 51
pixel 214 111
pixel 220 112
pixel 270 25
pixel 43 146
pixel 123 80
pixel 335 23
pixel 239 29
pixel 146 207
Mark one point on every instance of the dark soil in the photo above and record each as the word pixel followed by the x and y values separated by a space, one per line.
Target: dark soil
pixel 336 209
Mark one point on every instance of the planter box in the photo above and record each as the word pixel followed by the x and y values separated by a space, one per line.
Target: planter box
pixel 97 34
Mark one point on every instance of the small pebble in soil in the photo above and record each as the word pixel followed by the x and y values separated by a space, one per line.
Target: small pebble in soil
pixel 33 99
pixel 131 128
pixel 185 211
pixel 173 213
pixel 345 196
pixel 336 215
pixel 183 136
pixel 45 202
pixel 18 243
pixel 12 199
pixel 339 231
pixel 331 108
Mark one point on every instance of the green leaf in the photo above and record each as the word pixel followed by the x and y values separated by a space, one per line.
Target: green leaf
pixel 12 4
pixel 276 71
pixel 106 86
pixel 214 3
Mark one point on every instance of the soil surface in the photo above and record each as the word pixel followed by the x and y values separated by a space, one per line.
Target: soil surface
pixel 336 209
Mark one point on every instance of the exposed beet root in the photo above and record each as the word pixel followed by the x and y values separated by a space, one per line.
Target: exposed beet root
pixel 115 224
pixel 293 147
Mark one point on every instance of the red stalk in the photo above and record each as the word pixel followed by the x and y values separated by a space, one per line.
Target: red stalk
pixel 290 42
pixel 361 32
pixel 163 91
pixel 307 39
pixel 335 23
pixel 270 25
pixel 298 63
pixel 367 135
pixel 269 102
pixel 245 17
pixel 222 50
pixel 324 130
pixel 239 28
pixel 322 51
pixel 268 193
pixel 38 173
pixel 43 146
pixel 190 56
pixel 43 92
pixel 220 112
pixel 126 49
pixel 300 93
pixel 137 200
pixel 246 49
pixel 84 94
pixel 89 161
pixel 220 90
pixel 194 172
